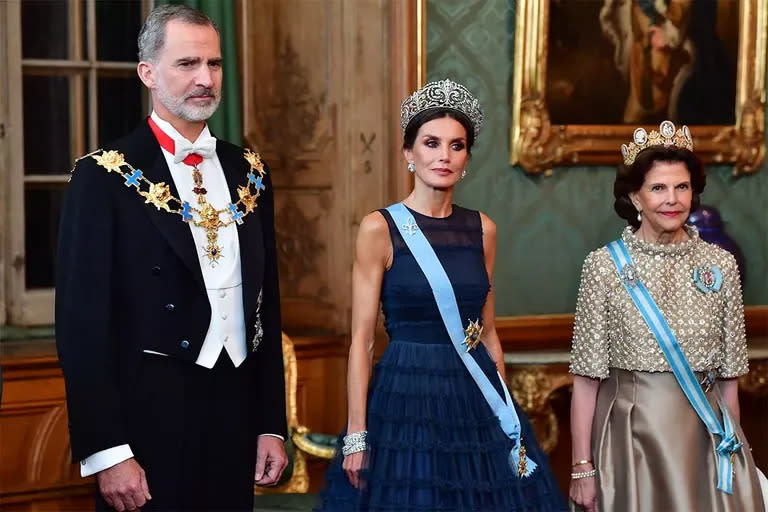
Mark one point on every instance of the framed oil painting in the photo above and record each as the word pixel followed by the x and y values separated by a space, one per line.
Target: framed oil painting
pixel 588 72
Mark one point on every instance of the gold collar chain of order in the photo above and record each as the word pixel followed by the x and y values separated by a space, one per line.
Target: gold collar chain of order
pixel 207 217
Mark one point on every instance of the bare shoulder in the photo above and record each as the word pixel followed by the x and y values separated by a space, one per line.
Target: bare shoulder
pixel 373 241
pixel 489 227
pixel 373 226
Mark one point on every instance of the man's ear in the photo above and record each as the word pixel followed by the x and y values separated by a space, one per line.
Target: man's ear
pixel 146 71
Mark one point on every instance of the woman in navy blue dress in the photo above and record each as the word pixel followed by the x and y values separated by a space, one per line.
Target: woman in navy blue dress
pixel 420 435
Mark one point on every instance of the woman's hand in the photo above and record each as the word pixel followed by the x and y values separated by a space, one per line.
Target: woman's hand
pixel 353 464
pixel 583 491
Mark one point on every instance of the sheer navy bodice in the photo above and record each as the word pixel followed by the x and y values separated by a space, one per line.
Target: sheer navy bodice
pixel 410 310
pixel 434 444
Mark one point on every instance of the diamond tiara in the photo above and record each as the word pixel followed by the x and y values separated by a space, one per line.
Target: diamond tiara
pixel 442 94
pixel 666 136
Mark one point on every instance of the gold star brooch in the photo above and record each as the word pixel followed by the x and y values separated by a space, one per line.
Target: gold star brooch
pixel 473 332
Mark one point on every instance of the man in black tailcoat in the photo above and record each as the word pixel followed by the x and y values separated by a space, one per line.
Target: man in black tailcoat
pixel 167 301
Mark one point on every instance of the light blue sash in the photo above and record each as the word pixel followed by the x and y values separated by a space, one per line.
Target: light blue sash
pixel 449 310
pixel 729 444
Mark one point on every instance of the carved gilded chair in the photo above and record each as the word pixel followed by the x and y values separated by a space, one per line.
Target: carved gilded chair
pixel 301 442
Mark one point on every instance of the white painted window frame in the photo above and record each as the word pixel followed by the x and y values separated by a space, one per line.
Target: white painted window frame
pixel 20 306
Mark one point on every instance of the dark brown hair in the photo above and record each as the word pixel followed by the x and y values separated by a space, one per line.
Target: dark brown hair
pixel 409 137
pixel 630 178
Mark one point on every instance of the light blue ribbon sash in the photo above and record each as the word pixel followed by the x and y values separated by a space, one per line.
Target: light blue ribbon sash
pixel 669 345
pixel 442 289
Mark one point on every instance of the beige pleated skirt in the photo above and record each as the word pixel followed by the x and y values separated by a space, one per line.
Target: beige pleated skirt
pixel 654 454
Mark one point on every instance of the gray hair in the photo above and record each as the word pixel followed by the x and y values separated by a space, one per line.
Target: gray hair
pixel 152 35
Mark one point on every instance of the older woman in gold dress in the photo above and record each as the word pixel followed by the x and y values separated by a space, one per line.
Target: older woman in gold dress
pixel 639 444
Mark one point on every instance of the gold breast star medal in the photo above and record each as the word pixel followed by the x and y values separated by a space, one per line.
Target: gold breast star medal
pixel 472 334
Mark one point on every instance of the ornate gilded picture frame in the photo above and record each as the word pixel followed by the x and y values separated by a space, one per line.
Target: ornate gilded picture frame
pixel 587 73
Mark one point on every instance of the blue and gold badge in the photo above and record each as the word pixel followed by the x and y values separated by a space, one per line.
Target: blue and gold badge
pixel 473 332
pixel 708 278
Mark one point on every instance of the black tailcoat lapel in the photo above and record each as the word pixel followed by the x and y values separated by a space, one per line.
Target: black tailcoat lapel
pixel 175 231
pixel 249 232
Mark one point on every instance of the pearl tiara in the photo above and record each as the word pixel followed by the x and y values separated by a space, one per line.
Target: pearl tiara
pixel 666 136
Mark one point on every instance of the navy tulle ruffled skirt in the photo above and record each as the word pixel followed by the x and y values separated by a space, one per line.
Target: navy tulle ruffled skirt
pixel 435 443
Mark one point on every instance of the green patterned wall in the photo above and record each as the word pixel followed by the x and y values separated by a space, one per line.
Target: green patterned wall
pixel 547 225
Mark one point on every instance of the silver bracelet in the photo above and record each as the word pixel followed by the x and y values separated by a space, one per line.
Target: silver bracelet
pixel 349 449
pixel 584 474
pixel 355 442
pixel 356 437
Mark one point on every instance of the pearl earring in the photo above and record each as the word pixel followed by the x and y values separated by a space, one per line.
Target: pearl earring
pixel 411 167
pixel 639 215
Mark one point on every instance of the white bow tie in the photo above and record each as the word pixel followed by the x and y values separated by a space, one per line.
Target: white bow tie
pixel 205 147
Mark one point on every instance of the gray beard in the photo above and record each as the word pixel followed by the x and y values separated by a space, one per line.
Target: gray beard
pixel 179 108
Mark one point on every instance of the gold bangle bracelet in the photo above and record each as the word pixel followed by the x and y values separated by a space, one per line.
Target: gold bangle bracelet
pixel 580 462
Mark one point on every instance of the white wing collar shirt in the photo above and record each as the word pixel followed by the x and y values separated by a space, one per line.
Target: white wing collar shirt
pixel 223 281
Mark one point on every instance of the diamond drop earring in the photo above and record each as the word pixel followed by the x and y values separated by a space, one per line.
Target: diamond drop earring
pixel 411 167
pixel 463 174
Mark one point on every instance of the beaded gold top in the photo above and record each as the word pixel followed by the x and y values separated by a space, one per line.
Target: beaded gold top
pixel 609 331
pixel 666 136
